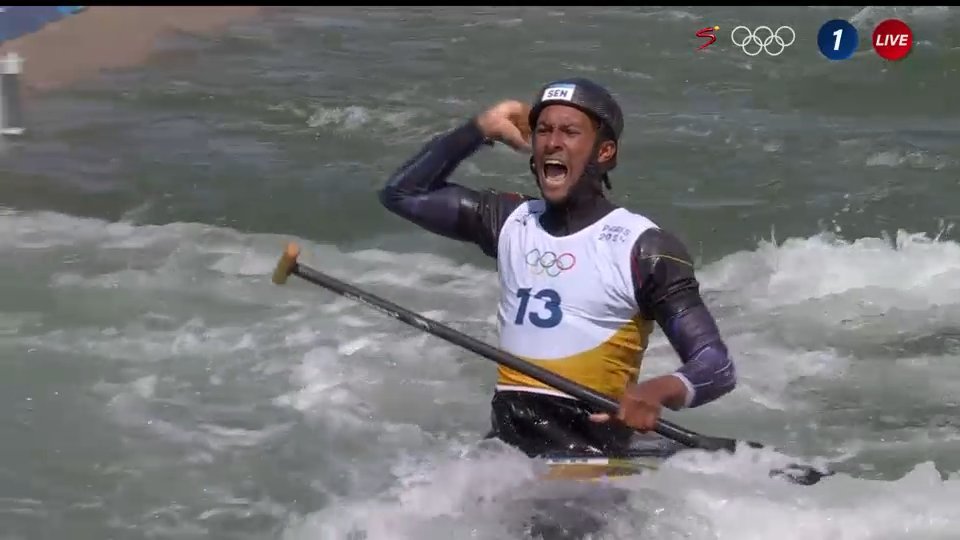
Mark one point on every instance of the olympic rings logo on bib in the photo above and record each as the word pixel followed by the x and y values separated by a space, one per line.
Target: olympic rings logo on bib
pixel 549 263
pixel 753 39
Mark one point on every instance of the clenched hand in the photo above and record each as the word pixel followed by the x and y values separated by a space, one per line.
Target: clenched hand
pixel 507 122
pixel 641 404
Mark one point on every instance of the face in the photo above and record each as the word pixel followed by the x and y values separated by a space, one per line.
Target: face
pixel 563 142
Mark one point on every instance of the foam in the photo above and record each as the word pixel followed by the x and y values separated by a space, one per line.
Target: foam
pixel 701 497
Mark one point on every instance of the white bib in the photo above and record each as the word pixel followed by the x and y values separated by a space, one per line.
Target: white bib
pixel 567 303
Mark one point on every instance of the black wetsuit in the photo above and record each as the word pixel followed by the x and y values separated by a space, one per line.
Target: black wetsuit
pixel 663 278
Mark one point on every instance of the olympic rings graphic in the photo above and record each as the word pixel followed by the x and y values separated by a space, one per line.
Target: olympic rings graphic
pixel 753 38
pixel 549 262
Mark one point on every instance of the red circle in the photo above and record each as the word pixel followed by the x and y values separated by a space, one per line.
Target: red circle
pixel 892 39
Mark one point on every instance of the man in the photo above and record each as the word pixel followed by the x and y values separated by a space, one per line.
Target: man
pixel 582 280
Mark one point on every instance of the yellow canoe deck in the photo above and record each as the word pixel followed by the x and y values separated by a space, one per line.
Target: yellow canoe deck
pixel 594 468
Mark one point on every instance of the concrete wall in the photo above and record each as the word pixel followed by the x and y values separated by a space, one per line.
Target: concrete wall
pixel 80 45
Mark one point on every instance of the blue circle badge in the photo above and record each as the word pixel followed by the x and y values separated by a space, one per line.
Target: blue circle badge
pixel 837 39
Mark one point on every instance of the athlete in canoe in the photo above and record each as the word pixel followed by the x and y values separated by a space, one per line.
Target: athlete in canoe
pixel 581 280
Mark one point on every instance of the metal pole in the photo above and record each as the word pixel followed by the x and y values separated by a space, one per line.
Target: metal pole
pixel 11 107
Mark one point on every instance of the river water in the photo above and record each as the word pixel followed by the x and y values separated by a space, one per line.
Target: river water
pixel 155 384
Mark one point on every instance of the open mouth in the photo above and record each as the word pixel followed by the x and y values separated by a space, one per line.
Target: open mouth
pixel 554 171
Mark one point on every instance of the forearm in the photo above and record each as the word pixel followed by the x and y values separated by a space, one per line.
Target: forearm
pixel 667 291
pixel 707 372
pixel 419 192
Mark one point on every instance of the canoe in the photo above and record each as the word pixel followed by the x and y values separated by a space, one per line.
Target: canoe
pixel 584 466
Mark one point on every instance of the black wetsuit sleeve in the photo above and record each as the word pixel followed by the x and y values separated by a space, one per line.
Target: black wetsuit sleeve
pixel 667 291
pixel 418 191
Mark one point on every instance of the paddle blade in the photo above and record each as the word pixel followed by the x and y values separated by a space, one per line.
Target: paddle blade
pixel 805 475
pixel 286 263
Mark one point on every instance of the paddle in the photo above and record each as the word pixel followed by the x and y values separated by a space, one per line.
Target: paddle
pixel 288 264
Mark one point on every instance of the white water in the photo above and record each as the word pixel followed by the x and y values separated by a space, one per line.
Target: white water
pixel 162 362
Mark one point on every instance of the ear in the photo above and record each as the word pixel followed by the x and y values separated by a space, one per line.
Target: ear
pixel 608 149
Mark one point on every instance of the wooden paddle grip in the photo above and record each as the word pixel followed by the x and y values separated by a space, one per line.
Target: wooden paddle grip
pixel 286 263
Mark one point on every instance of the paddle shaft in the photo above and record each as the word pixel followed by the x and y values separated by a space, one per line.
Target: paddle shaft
pixel 596 399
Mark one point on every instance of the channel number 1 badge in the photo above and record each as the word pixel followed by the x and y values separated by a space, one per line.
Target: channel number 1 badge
pixel 837 39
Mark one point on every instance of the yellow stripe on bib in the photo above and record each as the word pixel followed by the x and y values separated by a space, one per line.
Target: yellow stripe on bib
pixel 606 368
